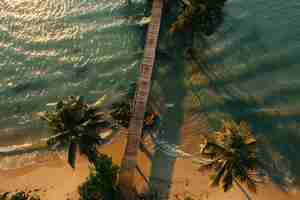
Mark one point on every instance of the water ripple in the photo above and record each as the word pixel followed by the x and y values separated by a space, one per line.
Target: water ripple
pixel 54 48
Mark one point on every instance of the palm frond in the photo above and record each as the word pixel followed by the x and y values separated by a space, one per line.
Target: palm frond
pixel 187 3
pixel 212 149
pixel 99 102
pixel 215 179
pixel 60 137
pixel 251 184
pixel 250 141
pixel 235 152
pixel 73 123
pixel 72 154
pixel 240 172
pixel 208 165
pixel 4 196
pixel 227 180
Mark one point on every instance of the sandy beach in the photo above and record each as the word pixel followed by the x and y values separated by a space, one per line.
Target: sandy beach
pixel 53 179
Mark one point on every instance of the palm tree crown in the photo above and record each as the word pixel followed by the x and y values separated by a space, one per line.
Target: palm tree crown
pixel 202 15
pixel 232 154
pixel 74 123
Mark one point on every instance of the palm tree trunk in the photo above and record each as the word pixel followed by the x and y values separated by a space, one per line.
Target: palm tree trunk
pixel 248 197
pixel 143 176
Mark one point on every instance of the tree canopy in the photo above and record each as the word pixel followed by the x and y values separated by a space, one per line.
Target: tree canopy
pixel 232 154
pixel 102 183
pixel 74 124
pixel 199 15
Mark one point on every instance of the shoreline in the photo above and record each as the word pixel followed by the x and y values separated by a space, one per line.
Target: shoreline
pixel 55 180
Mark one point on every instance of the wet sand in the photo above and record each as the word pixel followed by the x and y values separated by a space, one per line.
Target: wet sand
pixel 55 180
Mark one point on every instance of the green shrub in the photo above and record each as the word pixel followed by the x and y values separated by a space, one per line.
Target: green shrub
pixel 102 182
pixel 21 195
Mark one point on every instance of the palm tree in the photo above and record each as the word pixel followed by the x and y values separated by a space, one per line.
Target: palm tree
pixel 202 15
pixel 74 124
pixel 121 111
pixel 232 154
pixel 19 195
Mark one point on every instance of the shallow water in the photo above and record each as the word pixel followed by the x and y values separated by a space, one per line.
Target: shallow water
pixel 54 48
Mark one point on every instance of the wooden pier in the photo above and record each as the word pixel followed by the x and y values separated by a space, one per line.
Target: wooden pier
pixel 129 161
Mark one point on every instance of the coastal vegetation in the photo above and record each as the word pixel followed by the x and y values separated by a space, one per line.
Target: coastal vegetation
pixel 74 123
pixel 19 195
pixel 102 182
pixel 232 155
pixel 121 111
pixel 78 125
pixel 198 16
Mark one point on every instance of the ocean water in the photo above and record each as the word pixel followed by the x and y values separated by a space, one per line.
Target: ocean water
pixel 254 67
pixel 54 48
pixel 248 70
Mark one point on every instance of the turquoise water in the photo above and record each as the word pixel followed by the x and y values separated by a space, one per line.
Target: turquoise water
pixel 54 48
pixel 255 68
pixel 249 69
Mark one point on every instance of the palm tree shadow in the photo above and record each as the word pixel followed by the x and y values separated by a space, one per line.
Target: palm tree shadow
pixel 169 74
pixel 274 140
pixel 174 92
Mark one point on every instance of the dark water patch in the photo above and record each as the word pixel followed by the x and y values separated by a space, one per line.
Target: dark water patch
pixel 252 66
pixel 260 66
pixel 288 95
